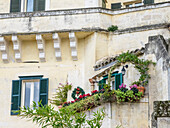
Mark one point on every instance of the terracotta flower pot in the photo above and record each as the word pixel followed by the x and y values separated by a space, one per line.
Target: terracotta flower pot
pixel 141 89
pixel 59 107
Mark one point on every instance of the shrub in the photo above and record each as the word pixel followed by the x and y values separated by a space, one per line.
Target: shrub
pixel 112 28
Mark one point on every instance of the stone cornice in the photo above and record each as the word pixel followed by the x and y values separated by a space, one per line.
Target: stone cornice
pixel 83 11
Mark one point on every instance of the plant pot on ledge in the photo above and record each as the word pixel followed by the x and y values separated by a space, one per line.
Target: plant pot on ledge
pixel 141 89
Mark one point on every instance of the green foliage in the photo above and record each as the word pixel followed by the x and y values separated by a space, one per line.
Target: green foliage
pixel 123 89
pixel 128 96
pixel 112 28
pixel 64 118
pixel 61 94
pixel 140 64
pixel 95 122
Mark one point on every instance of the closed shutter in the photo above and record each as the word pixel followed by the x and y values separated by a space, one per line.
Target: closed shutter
pixel 15 6
pixel 101 84
pixel 118 80
pixel 39 5
pixel 116 6
pixel 16 96
pixel 103 3
pixel 148 1
pixel 44 91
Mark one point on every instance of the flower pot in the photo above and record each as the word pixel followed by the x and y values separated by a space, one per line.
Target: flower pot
pixel 141 89
pixel 59 107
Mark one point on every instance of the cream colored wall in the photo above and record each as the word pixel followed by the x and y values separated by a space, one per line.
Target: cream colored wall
pixel 4 6
pixel 54 23
pixel 90 20
pixel 57 72
pixel 66 4
pixel 132 41
pixel 140 18
pixel 57 4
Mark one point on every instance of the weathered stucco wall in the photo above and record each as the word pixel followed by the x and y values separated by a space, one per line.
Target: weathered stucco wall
pixel 141 18
pixel 4 6
pixel 163 122
pixel 119 43
pixel 128 115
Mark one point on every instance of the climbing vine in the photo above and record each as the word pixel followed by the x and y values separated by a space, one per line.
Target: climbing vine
pixel 76 92
pixel 140 64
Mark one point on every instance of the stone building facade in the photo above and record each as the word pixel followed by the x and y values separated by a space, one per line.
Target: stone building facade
pixel 51 42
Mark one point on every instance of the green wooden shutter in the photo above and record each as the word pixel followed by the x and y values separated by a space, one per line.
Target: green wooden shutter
pixel 118 80
pixel 39 5
pixel 16 96
pixel 148 1
pixel 101 84
pixel 44 91
pixel 116 6
pixel 15 6
pixel 103 4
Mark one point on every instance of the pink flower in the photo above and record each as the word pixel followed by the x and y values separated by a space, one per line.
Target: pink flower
pixel 122 86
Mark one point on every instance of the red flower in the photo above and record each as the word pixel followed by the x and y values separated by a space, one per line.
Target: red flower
pixel 65 102
pixel 88 94
pixel 76 100
pixel 84 95
pixel 72 101
pixel 68 102
pixel 77 92
pixel 80 96
pixel 78 89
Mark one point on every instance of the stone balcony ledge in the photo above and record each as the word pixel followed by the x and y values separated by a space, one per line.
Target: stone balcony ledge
pixel 83 11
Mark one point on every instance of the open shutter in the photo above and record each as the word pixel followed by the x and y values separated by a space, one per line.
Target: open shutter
pixel 101 84
pixel 118 80
pixel 148 1
pixel 44 91
pixel 39 5
pixel 16 96
pixel 15 6
pixel 116 6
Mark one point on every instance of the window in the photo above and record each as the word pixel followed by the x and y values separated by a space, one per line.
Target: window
pixel 28 89
pixel 148 1
pixel 30 6
pixel 116 5
pixel 15 6
pixel 116 80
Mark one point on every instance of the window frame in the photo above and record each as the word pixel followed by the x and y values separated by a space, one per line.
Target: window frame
pixel 17 88
pixel 23 90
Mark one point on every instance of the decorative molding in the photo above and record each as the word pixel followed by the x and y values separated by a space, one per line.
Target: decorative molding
pixel 57 47
pixel 41 47
pixel 4 49
pixel 161 109
pixel 17 48
pixel 73 45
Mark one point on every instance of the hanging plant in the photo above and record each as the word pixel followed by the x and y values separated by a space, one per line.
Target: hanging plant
pixel 77 92
pixel 140 64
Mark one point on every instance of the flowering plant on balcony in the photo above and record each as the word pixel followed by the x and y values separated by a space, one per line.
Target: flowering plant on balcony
pixel 123 87
pixel 134 88
pixel 94 92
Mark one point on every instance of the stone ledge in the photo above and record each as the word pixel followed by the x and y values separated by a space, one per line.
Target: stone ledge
pixel 83 11
pixel 97 29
